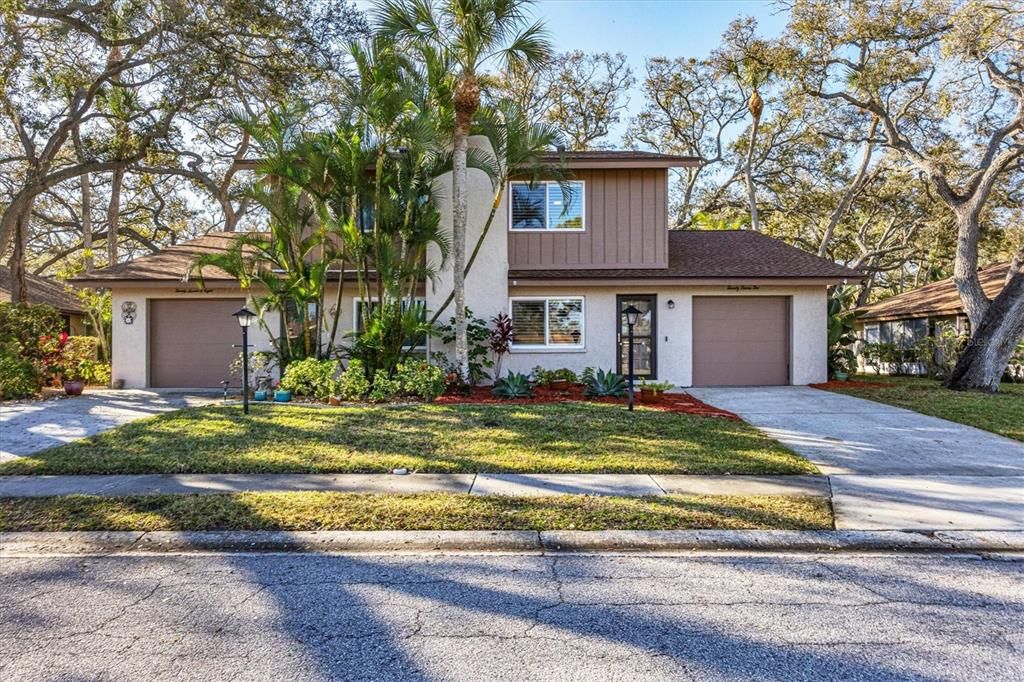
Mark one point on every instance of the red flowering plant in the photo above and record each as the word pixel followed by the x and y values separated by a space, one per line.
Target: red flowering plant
pixel 51 354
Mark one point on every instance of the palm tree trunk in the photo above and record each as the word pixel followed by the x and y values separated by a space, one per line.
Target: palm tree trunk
pixel 460 207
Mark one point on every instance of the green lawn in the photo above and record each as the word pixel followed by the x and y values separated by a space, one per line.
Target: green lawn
pixel 347 511
pixel 567 437
pixel 1002 413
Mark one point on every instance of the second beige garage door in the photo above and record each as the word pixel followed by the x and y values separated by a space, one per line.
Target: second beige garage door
pixel 740 340
pixel 191 342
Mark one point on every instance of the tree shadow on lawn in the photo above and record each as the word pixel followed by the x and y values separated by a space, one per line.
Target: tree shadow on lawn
pixel 424 438
pixel 389 617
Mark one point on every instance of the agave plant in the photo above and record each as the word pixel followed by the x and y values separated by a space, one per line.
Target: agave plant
pixel 515 385
pixel 602 384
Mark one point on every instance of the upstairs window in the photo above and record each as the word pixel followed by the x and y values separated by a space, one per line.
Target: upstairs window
pixel 544 206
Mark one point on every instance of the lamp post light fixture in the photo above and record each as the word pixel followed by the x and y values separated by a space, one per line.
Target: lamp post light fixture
pixel 245 318
pixel 632 314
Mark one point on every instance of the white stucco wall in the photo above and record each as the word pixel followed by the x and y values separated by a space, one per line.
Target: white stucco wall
pixel 808 362
pixel 130 358
pixel 487 282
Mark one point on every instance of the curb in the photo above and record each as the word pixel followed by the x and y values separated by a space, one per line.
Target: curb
pixel 14 544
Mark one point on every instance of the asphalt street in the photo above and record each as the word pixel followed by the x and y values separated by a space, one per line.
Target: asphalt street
pixel 512 617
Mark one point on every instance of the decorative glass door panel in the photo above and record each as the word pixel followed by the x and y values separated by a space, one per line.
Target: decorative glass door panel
pixel 644 335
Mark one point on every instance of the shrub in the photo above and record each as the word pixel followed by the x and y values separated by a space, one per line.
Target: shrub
pixel 353 384
pixel 384 388
pixel 92 372
pixel 421 379
pixel 546 376
pixel 80 348
pixel 478 337
pixel 261 368
pixel 939 353
pixel 515 385
pixel 19 378
pixel 605 384
pixel 310 377
pixel 22 326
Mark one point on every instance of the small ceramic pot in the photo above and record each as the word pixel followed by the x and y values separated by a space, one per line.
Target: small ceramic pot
pixel 74 387
pixel 334 400
pixel 117 384
pixel 841 376
pixel 259 395
pixel 282 396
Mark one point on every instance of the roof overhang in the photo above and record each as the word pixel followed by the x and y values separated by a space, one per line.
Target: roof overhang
pixel 520 282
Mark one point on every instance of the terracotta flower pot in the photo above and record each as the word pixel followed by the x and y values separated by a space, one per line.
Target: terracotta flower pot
pixel 651 397
pixel 334 400
pixel 74 387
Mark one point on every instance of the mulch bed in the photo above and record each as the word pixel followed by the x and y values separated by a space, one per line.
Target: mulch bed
pixel 850 383
pixel 670 402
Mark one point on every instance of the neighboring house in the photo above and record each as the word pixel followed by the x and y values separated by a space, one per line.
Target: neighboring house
pixel 48 291
pixel 906 319
pixel 721 307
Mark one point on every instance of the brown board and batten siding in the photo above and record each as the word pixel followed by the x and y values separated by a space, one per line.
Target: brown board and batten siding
pixel 625 226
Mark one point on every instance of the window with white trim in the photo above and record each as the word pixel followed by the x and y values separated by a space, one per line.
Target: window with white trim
pixel 421 308
pixel 544 206
pixel 547 322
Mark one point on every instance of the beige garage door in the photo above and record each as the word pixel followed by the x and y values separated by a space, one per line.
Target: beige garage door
pixel 740 341
pixel 190 342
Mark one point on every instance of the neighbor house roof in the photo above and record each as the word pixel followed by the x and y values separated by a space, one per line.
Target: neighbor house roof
pixel 41 290
pixel 170 264
pixel 937 298
pixel 716 254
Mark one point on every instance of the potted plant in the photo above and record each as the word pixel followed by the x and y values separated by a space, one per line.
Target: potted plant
pixel 652 393
pixel 262 391
pixel 281 395
pixel 73 380
pixel 562 378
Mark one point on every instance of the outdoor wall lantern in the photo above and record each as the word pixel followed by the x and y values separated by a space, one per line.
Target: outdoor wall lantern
pixel 245 318
pixel 671 304
pixel 632 314
pixel 128 310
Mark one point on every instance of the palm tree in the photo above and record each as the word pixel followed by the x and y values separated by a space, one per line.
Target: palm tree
pixel 469 34
pixel 518 146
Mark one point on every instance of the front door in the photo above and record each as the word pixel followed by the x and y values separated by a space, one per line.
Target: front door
pixel 645 333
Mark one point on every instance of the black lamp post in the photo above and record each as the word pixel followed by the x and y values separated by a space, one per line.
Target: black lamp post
pixel 245 318
pixel 632 314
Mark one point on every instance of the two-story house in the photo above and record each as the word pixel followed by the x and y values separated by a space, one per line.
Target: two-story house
pixel 719 307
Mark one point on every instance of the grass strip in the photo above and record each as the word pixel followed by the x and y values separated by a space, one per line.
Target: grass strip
pixel 433 511
pixel 547 438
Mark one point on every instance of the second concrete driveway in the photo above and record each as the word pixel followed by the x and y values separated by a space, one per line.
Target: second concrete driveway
pixel 890 467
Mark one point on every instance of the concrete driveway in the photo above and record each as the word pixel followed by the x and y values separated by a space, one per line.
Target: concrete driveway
pixel 890 468
pixel 33 426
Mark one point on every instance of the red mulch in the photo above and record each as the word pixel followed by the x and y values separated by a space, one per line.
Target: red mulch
pixel 850 383
pixel 670 402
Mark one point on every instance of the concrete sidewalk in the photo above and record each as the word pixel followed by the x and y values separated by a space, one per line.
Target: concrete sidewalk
pixel 473 484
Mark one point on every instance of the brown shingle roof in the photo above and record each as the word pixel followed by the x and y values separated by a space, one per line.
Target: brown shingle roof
pixel 717 254
pixel 607 158
pixel 42 290
pixel 937 298
pixel 169 264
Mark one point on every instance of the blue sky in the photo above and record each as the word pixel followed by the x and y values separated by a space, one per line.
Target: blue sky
pixel 649 28
pixel 646 28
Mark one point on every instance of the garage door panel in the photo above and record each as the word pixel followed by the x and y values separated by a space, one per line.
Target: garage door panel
pixel 191 341
pixel 740 341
